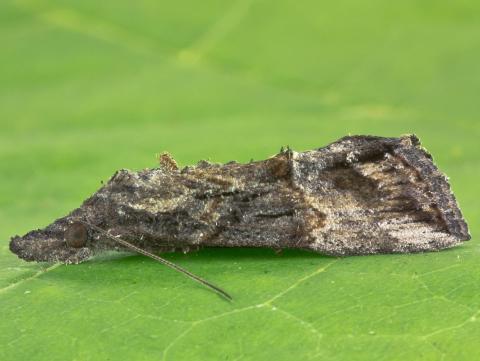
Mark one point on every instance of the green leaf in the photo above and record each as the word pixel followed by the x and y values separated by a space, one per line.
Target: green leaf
pixel 89 87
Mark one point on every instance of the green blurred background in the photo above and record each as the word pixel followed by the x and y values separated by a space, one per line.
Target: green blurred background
pixel 88 87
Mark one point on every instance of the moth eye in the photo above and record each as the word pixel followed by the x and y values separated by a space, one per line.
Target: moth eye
pixel 76 235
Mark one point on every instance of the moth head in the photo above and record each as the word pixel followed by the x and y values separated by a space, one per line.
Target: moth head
pixel 66 240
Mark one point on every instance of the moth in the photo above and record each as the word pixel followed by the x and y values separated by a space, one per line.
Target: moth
pixel 359 195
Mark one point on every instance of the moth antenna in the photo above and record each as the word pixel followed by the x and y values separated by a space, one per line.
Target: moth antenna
pixel 161 260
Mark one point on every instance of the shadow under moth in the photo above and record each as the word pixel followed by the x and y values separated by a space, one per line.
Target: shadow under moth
pixel 359 195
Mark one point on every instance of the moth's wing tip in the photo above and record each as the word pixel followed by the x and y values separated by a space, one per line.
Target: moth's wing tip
pixel 425 185
pixel 462 234
pixel 418 158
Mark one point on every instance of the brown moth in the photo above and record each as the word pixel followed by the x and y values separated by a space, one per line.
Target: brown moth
pixel 359 195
